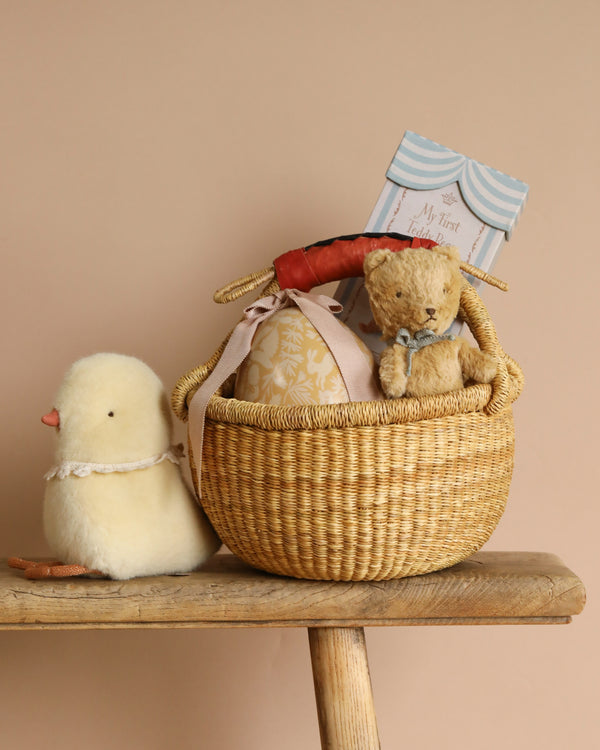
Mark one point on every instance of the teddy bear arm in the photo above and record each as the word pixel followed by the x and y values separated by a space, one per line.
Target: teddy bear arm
pixel 475 364
pixel 392 371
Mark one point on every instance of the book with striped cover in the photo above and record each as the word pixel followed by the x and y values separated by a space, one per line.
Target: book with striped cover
pixel 433 192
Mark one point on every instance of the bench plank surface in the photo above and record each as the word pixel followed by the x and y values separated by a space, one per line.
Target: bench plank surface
pixel 488 588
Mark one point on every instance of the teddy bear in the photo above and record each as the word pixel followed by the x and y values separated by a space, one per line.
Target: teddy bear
pixel 414 296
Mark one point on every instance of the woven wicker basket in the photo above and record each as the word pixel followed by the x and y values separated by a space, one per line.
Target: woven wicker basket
pixel 359 491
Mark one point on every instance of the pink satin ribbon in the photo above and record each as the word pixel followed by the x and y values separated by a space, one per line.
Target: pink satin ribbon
pixel 356 373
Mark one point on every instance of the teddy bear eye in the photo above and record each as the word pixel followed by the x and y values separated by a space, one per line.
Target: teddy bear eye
pixel 398 294
pixel 111 414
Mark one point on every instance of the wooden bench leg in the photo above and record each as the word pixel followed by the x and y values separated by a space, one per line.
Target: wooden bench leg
pixel 343 689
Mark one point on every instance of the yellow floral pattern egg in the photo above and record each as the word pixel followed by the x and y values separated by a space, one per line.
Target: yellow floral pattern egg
pixel 289 364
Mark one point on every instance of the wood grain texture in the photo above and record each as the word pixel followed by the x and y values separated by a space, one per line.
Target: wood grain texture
pixel 195 625
pixel 490 587
pixel 342 682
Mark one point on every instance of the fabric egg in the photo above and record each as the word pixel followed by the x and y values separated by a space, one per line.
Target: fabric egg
pixel 289 364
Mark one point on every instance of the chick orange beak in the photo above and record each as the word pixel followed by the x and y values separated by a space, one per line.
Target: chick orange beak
pixel 51 419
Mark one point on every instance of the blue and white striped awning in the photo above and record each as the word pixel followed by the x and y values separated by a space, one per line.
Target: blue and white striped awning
pixel 494 197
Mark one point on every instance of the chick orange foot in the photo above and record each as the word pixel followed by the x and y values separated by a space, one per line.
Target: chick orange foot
pixel 53 569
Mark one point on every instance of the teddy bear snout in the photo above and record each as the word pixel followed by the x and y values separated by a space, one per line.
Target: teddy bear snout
pixel 430 311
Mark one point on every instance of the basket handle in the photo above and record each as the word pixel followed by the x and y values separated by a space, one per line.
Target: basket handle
pixel 508 383
pixel 332 260
pixel 236 289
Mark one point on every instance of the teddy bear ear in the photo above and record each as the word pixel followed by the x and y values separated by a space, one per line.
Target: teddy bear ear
pixel 376 258
pixel 449 251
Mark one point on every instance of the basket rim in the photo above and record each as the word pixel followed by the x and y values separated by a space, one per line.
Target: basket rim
pixel 472 398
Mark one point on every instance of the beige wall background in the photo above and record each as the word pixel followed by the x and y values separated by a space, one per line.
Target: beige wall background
pixel 150 152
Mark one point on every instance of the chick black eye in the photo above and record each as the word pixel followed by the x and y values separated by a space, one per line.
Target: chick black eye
pixel 398 294
pixel 111 414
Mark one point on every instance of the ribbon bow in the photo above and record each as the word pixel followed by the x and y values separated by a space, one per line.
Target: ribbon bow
pixel 318 308
pixel 421 339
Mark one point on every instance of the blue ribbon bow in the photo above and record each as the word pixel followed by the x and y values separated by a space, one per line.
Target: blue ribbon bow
pixel 421 339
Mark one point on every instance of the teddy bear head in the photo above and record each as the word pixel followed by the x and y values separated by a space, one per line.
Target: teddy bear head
pixel 414 288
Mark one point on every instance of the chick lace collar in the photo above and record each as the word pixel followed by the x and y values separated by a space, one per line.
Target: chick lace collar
pixel 84 468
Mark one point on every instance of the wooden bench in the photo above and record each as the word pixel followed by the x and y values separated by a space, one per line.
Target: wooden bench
pixel 491 588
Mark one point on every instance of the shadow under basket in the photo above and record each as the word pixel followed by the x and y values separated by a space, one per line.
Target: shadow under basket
pixel 360 491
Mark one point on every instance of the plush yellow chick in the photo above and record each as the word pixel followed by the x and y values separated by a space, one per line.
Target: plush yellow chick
pixel 116 502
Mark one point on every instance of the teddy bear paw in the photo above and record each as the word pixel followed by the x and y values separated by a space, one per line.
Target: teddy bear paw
pixel 486 368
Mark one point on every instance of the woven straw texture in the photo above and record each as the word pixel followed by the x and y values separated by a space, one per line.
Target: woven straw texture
pixel 360 491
